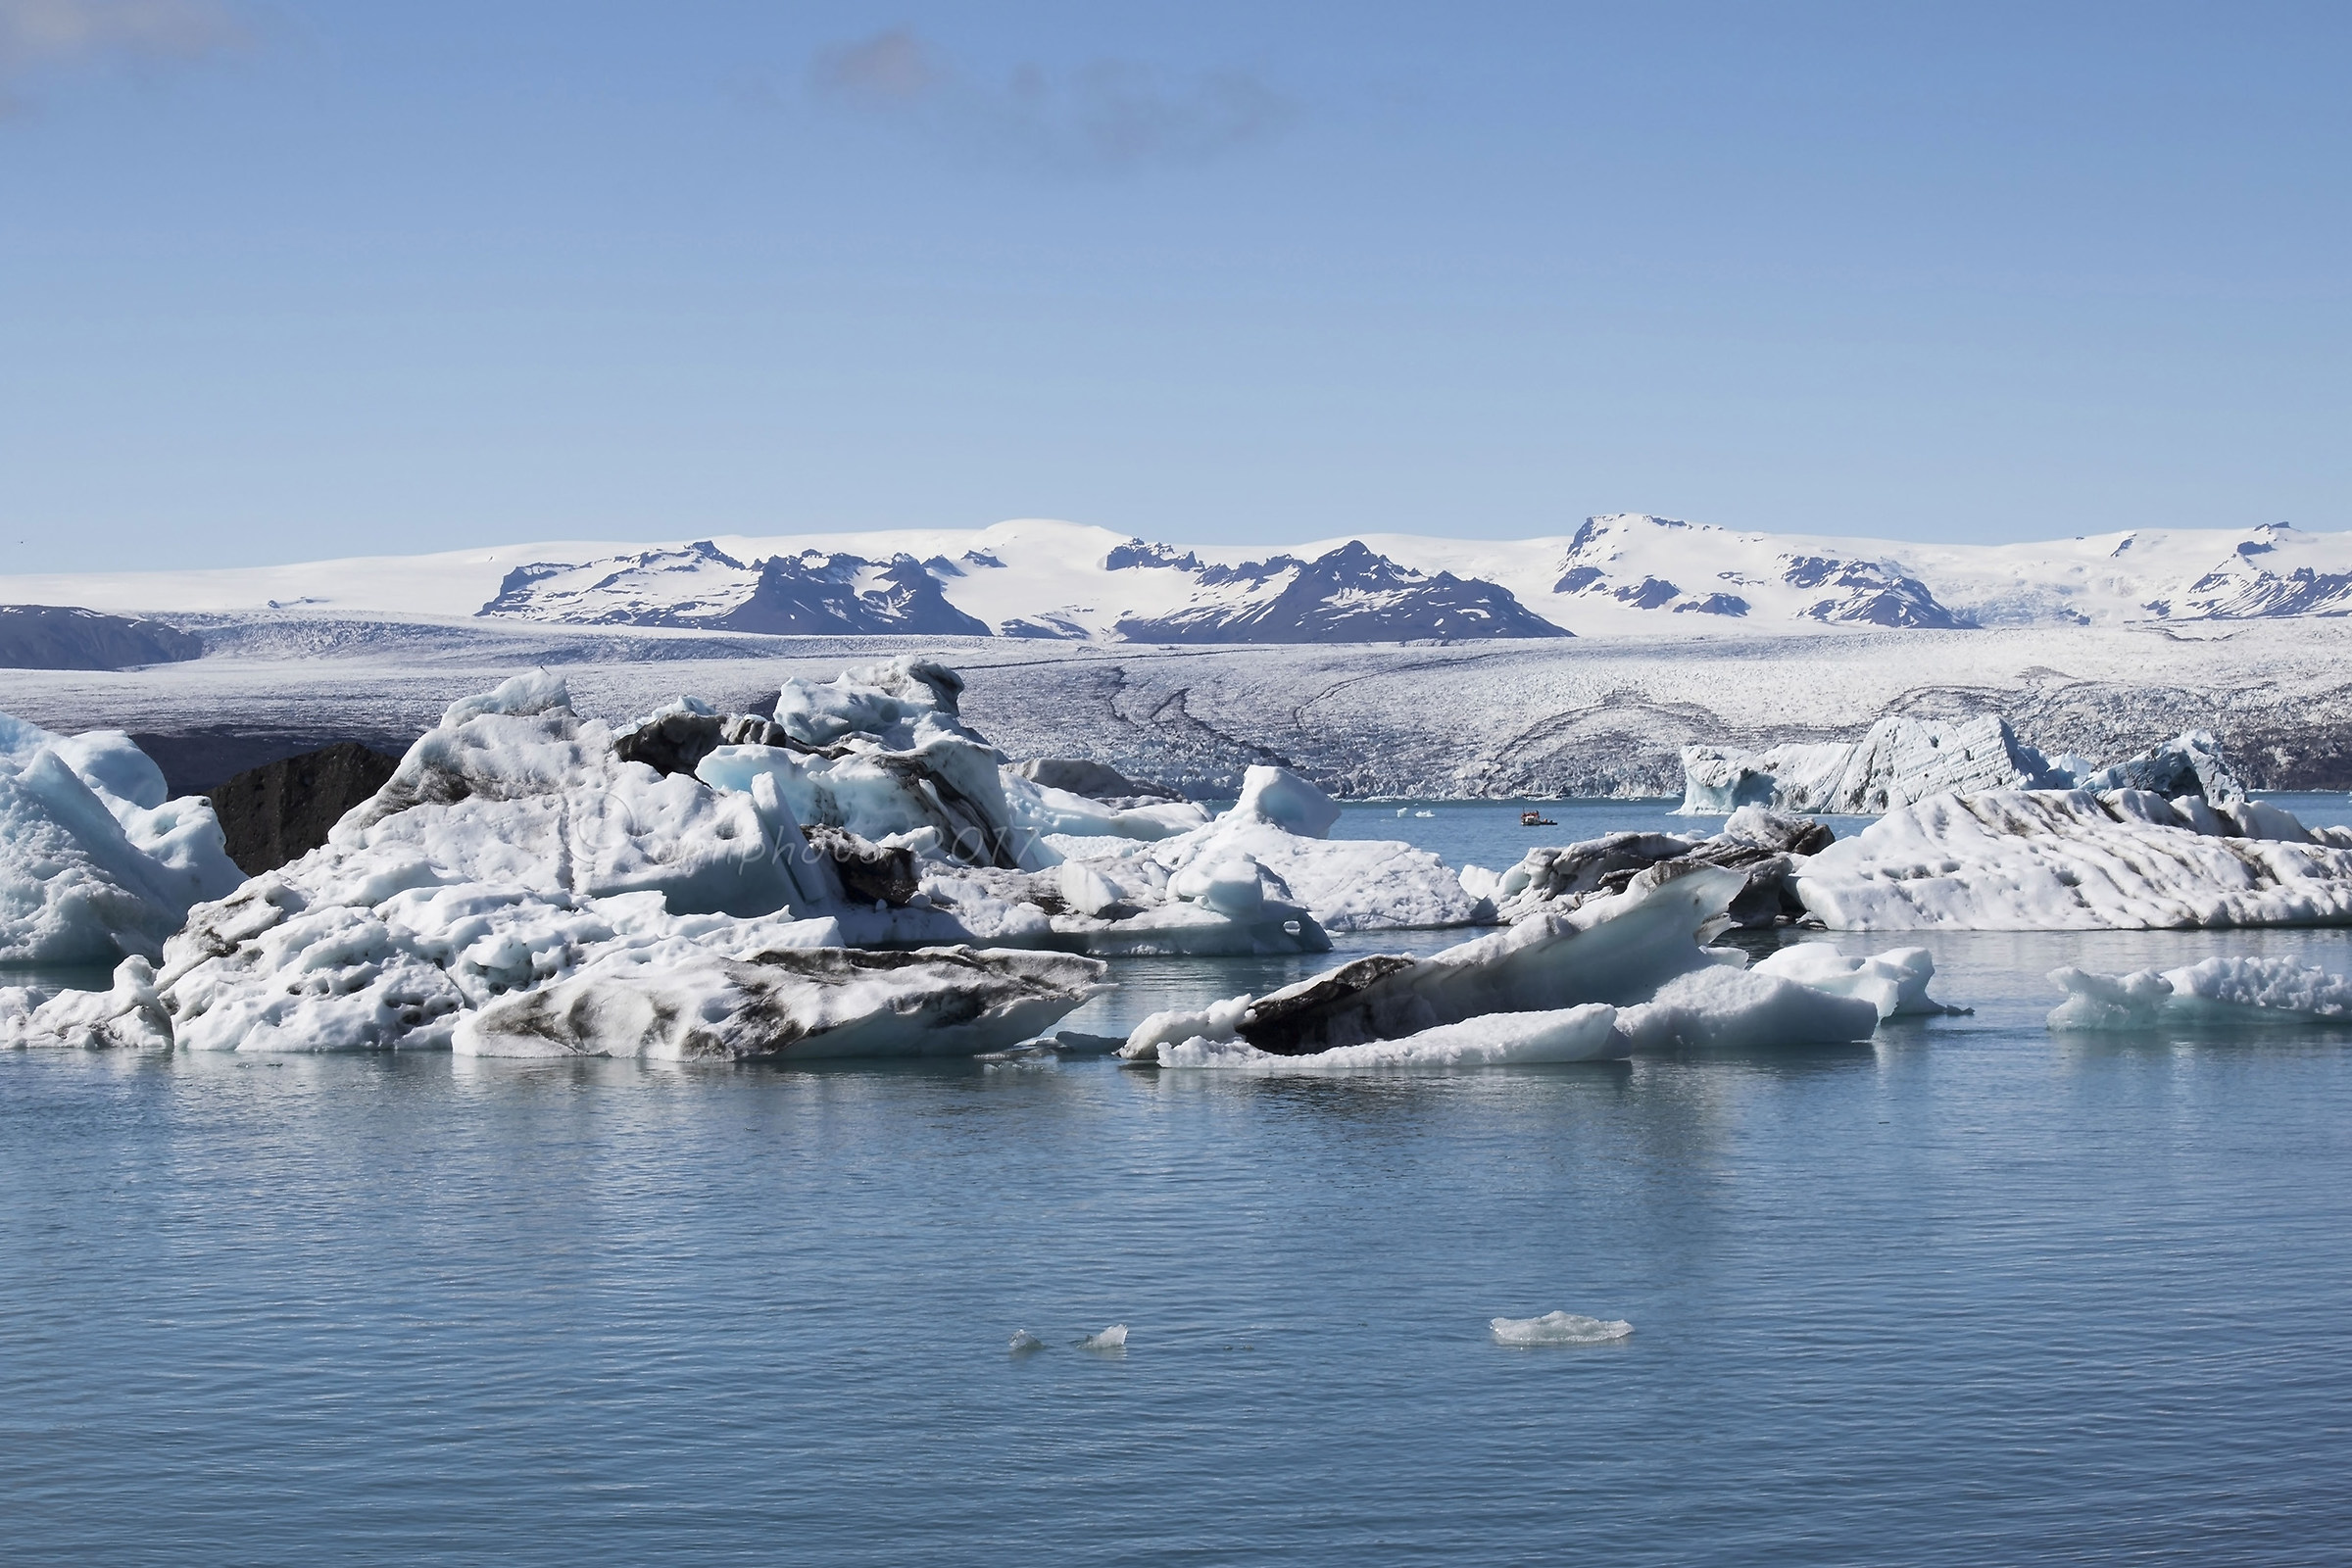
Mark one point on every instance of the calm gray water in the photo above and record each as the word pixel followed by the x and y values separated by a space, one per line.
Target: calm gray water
pixel 1972 1295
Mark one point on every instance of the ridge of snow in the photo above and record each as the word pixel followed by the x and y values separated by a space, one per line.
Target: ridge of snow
pixel 1617 575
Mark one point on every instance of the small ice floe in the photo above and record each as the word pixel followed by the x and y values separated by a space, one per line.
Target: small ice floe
pixel 1024 1342
pixel 1114 1337
pixel 1558 1328
pixel 2215 992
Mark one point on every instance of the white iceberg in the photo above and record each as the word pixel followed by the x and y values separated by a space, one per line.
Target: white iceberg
pixel 2062 861
pixel 95 864
pixel 1638 955
pixel 1558 1328
pixel 1725 1008
pixel 1895 982
pixel 2213 993
pixel 128 1015
pixel 1897 761
pixel 1586 1033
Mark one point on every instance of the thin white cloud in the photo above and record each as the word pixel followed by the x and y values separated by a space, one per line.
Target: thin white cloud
pixel 56 33
pixel 891 68
pixel 1108 115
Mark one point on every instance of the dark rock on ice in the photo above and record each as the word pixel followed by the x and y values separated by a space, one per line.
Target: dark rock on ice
pixel 870 873
pixel 283 811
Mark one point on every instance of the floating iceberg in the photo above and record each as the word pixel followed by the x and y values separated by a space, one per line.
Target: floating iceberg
pixel 790 1004
pixel 127 1017
pixel 2214 993
pixel 1558 1328
pixel 2064 860
pixel 1764 845
pixel 1632 963
pixel 516 846
pixel 1894 982
pixel 2189 765
pixel 1587 1032
pixel 95 864
pixel 1898 760
pixel 1903 760
pixel 1729 1008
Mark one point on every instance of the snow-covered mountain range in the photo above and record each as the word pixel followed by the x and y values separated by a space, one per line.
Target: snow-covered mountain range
pixel 1624 575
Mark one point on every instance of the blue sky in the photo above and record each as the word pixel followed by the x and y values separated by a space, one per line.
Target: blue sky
pixel 282 282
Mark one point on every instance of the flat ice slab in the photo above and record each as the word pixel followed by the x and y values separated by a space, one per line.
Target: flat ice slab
pixel 1558 1328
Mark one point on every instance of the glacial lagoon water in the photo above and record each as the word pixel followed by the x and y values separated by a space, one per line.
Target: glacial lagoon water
pixel 1971 1294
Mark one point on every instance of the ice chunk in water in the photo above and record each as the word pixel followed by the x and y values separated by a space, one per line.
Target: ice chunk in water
pixel 1114 1337
pixel 1558 1328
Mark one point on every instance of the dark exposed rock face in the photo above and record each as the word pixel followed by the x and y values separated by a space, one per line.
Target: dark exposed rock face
pixel 870 873
pixel 61 637
pixel 283 811
pixel 1351 594
pixel 676 743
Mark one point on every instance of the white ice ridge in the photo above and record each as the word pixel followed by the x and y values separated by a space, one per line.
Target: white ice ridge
pixel 95 863
pixel 2058 861
pixel 2213 993
pixel 1558 1328
pixel 1540 990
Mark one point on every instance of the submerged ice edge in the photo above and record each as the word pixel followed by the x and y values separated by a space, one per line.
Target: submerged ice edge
pixel 1558 1328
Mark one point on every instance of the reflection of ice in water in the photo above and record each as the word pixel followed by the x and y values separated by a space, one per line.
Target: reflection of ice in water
pixel 1114 1337
pixel 1024 1342
pixel 1558 1328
